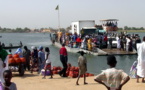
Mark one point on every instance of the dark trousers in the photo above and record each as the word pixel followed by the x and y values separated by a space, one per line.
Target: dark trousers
pixel 63 60
pixel 27 65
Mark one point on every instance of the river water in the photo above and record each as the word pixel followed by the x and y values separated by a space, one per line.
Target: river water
pixel 94 63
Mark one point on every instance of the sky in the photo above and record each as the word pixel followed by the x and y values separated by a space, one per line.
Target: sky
pixel 42 13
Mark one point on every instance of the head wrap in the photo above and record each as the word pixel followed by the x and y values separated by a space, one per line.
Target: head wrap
pixel 40 47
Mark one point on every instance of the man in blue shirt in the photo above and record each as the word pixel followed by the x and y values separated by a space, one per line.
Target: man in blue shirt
pixel 41 58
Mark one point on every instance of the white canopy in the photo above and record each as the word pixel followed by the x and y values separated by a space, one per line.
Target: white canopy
pixel 109 20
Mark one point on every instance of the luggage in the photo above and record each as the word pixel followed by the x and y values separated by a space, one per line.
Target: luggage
pixel 43 72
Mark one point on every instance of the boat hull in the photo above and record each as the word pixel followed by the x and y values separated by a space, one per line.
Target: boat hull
pixel 12 47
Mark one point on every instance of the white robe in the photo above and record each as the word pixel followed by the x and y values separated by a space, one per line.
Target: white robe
pixel 141 60
pixel 118 42
pixel 83 44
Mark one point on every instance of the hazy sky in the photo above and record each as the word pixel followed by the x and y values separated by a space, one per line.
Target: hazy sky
pixel 42 13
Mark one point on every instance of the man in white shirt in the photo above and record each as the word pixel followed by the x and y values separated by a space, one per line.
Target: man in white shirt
pixel 127 44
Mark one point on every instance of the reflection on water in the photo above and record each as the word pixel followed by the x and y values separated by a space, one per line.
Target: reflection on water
pixel 95 63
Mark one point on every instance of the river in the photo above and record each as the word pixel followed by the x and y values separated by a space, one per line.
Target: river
pixel 94 63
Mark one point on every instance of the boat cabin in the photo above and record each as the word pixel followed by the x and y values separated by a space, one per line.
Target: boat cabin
pixel 109 25
pixel 88 30
pixel 82 26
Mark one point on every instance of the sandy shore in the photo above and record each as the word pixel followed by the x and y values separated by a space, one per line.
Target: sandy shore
pixel 35 82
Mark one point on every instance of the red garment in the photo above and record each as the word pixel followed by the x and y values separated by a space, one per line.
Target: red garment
pixel 105 38
pixel 63 51
pixel 78 40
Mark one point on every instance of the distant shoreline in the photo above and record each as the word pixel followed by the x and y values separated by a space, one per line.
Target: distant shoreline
pixel 131 30
pixel 50 32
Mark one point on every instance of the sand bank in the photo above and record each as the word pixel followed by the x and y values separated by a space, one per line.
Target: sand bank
pixel 35 82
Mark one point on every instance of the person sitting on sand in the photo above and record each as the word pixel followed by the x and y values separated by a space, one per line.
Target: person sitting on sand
pixel 112 78
pixel 8 85
pixel 82 63
pixel 47 62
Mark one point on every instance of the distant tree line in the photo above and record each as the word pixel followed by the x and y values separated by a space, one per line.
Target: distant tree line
pixel 20 30
pixel 131 28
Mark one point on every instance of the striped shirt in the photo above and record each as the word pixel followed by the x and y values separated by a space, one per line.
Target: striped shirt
pixel 112 77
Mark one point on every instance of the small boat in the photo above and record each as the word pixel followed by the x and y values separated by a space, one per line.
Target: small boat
pixel 12 47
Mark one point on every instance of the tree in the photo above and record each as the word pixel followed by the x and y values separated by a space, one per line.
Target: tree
pixel 120 28
pixel 141 28
pixel 26 29
pixel 68 28
pixel 125 28
pixel 134 28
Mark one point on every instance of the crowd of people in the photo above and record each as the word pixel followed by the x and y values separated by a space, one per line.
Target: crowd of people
pixel 113 24
pixel 36 60
pixel 127 42
pixel 111 78
pixel 90 42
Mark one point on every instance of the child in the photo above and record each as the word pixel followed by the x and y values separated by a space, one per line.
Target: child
pixel 47 63
pixel 8 85
pixel 82 63
pixel 112 78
